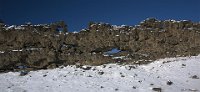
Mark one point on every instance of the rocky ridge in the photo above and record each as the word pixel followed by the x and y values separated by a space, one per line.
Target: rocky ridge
pixel 49 46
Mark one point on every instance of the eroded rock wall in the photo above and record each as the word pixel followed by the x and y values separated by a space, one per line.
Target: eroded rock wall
pixel 45 46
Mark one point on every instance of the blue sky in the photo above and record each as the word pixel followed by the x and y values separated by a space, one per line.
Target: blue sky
pixel 77 13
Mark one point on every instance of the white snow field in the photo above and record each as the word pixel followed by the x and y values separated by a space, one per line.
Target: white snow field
pixel 167 75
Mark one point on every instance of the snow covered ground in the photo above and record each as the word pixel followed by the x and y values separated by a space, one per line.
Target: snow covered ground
pixel 168 75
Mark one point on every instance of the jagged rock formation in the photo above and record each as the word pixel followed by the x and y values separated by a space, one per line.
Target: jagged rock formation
pixel 1 24
pixel 48 46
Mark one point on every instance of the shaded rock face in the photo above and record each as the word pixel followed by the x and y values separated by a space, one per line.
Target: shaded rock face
pixel 43 46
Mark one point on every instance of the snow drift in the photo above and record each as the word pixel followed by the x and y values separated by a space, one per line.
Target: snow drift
pixel 166 75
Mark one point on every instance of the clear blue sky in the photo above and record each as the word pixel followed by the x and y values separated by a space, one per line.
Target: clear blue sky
pixel 77 13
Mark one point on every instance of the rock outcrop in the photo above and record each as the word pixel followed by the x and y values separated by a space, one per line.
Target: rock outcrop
pixel 49 46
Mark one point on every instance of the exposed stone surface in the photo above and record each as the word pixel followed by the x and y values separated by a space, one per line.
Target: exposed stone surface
pixel 49 46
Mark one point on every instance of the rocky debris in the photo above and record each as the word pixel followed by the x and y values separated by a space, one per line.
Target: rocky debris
pixel 139 81
pixel 169 82
pixel 194 77
pixel 116 89
pixel 23 72
pixel 121 74
pixel 101 87
pixel 49 46
pixel 89 76
pixel 86 67
pixel 134 87
pixel 44 75
pixel 183 64
pixel 151 84
pixel 100 72
pixel 130 67
pixel 157 89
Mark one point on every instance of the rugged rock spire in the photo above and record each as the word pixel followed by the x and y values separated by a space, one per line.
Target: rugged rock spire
pixel 1 24
pixel 1 21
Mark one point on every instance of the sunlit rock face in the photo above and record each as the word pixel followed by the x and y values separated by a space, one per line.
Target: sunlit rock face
pixel 51 45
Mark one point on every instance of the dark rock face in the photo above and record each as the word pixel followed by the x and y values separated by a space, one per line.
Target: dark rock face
pixel 49 46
